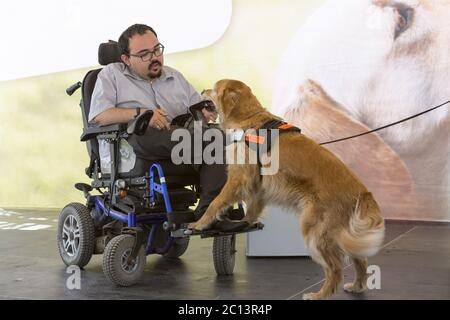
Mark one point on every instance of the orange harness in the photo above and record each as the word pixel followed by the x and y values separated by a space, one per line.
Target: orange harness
pixel 261 141
pixel 263 135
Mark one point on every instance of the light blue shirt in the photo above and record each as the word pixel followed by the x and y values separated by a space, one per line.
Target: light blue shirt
pixel 118 86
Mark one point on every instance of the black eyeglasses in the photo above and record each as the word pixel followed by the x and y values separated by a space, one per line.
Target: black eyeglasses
pixel 148 55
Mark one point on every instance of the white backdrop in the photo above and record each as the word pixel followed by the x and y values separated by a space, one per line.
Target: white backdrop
pixel 46 36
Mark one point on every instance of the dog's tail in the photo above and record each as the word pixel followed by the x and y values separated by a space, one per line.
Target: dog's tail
pixel 365 233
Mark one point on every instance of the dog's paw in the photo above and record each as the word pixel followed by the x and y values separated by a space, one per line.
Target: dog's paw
pixel 193 226
pixel 312 296
pixel 353 288
pixel 200 225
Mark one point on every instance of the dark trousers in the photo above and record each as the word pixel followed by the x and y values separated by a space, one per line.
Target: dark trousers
pixel 157 145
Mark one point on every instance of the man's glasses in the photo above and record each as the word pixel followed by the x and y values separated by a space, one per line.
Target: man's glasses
pixel 148 55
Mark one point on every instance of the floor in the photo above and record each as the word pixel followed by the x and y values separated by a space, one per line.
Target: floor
pixel 414 264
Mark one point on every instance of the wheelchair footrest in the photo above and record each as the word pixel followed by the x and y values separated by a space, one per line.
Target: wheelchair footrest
pixel 239 228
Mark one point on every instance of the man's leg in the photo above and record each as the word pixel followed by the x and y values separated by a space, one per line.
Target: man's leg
pixel 153 145
pixel 156 145
pixel 212 180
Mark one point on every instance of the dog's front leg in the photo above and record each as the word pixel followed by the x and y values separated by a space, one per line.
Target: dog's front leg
pixel 230 194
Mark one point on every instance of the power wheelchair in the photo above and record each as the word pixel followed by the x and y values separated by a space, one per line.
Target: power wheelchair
pixel 142 207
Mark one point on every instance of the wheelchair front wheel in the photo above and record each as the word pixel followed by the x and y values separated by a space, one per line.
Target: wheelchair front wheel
pixel 76 235
pixel 224 254
pixel 117 266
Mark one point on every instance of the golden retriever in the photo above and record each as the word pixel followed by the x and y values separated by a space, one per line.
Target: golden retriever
pixel 338 215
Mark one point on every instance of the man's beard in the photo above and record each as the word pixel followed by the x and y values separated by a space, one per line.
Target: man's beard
pixel 152 74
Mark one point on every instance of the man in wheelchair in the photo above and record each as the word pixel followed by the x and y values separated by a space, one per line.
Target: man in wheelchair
pixel 142 82
pixel 130 109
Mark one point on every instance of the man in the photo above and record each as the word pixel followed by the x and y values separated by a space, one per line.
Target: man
pixel 141 81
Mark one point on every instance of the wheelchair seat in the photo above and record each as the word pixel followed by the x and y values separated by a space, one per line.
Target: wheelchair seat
pixel 176 175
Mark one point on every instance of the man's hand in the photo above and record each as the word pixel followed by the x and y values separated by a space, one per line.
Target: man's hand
pixel 209 115
pixel 159 120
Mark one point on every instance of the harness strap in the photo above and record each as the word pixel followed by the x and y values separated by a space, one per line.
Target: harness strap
pixel 263 134
pixel 254 139
pixel 261 142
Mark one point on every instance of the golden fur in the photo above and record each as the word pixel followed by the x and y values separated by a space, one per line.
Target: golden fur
pixel 338 216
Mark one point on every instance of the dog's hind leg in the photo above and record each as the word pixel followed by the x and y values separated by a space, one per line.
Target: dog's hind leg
pixel 360 282
pixel 324 250
pixel 328 255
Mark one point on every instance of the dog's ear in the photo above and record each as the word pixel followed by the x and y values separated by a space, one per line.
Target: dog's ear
pixel 229 100
pixel 206 93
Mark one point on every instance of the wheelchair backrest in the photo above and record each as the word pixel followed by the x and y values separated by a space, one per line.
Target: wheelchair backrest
pixel 107 53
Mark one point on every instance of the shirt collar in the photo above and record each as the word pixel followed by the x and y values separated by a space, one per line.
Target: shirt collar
pixel 165 74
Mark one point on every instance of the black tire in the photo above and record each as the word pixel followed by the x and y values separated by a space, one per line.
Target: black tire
pixel 76 235
pixel 224 254
pixel 115 267
pixel 178 248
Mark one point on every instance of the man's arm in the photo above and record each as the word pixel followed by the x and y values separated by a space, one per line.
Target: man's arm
pixel 123 115
pixel 103 109
pixel 115 115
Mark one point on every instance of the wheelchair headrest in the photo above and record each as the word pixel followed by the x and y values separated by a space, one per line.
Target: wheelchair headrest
pixel 108 52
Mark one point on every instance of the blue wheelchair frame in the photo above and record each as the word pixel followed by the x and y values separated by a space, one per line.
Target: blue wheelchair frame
pixel 132 220
pixel 154 219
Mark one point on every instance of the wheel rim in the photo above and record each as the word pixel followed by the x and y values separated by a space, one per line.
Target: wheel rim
pixel 71 235
pixel 129 266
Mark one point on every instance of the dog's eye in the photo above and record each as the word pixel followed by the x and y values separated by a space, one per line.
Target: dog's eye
pixel 405 17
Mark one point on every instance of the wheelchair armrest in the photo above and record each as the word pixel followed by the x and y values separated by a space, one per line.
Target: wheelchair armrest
pixel 198 107
pixel 204 104
pixel 92 132
pixel 139 124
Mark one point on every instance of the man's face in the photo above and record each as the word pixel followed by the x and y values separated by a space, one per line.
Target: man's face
pixel 140 44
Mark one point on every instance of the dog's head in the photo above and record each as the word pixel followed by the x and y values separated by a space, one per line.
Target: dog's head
pixel 389 61
pixel 234 100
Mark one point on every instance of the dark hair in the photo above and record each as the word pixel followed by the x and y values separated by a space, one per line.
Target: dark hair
pixel 124 39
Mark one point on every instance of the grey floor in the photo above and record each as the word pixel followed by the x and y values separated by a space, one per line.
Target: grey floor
pixel 414 264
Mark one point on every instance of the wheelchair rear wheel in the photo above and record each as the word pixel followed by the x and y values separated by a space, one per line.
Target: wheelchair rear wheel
pixel 117 266
pixel 224 253
pixel 76 235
